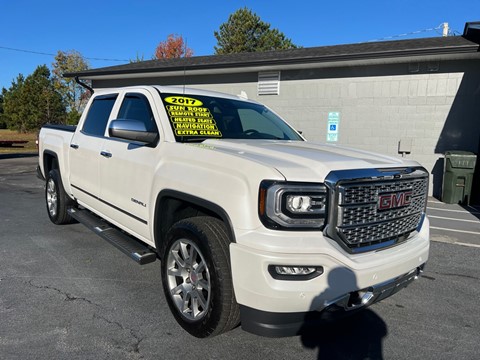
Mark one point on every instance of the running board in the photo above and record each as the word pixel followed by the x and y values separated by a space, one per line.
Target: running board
pixel 122 241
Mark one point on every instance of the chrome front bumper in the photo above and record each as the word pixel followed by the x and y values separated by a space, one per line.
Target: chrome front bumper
pixel 357 300
pixel 274 324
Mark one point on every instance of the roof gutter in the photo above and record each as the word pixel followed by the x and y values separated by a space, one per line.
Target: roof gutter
pixel 82 84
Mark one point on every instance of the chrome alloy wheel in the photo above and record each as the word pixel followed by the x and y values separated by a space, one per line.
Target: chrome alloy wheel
pixel 188 280
pixel 52 197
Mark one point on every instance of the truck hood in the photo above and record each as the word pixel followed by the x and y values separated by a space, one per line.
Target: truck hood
pixel 302 160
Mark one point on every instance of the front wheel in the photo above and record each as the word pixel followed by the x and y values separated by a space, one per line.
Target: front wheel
pixel 196 277
pixel 57 200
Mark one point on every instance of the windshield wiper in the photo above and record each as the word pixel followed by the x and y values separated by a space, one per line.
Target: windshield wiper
pixel 194 139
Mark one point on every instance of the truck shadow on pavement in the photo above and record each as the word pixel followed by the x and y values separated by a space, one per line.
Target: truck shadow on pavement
pixel 357 337
pixel 337 335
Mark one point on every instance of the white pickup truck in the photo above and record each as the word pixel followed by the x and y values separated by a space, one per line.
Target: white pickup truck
pixel 252 223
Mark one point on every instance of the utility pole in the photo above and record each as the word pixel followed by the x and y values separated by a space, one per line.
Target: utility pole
pixel 445 29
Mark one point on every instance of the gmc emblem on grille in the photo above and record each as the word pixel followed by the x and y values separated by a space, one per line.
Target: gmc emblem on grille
pixel 394 200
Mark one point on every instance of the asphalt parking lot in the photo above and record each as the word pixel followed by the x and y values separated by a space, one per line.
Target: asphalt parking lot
pixel 455 224
pixel 67 294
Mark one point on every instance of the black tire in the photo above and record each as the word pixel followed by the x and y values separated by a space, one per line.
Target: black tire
pixel 201 286
pixel 57 200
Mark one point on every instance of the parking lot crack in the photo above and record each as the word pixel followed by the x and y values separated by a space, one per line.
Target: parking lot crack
pixel 67 296
pixel 137 338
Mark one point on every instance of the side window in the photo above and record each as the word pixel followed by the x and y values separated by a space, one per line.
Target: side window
pixel 136 107
pixel 98 114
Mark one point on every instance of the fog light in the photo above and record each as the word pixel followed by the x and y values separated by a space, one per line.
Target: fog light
pixel 288 272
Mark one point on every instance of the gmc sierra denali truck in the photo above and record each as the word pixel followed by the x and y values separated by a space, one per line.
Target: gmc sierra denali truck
pixel 252 223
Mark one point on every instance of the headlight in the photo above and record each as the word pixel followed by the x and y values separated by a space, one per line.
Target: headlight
pixel 292 205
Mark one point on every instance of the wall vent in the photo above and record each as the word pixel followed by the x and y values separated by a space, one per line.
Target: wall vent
pixel 269 83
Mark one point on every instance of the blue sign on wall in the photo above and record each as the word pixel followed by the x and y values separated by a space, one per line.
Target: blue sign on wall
pixel 332 126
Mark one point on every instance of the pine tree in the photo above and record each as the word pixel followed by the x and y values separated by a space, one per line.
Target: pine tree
pixel 246 32
pixel 32 102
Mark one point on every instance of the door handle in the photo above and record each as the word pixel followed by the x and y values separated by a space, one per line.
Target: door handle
pixel 74 146
pixel 106 154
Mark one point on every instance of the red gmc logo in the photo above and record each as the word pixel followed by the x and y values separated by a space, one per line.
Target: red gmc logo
pixel 394 200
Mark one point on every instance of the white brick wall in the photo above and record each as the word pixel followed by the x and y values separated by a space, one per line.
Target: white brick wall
pixel 376 112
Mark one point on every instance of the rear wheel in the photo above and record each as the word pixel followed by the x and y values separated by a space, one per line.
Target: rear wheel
pixel 57 200
pixel 197 279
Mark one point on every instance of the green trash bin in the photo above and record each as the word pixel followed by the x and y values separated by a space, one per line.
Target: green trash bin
pixel 458 177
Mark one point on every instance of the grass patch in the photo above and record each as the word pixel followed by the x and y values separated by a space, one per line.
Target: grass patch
pixel 9 135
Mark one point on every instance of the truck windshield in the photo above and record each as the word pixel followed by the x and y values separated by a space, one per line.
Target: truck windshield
pixel 196 118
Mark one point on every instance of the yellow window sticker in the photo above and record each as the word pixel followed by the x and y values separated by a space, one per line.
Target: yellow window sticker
pixel 183 100
pixel 195 126
pixel 190 118
pixel 212 133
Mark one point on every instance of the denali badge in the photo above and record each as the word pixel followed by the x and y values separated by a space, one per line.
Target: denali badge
pixel 394 200
pixel 138 202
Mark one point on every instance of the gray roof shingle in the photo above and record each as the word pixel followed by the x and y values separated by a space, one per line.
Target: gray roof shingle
pixel 360 51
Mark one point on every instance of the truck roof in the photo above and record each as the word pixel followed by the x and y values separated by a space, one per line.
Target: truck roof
pixel 180 90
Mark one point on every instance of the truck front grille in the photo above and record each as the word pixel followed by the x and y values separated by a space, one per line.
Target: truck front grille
pixel 378 211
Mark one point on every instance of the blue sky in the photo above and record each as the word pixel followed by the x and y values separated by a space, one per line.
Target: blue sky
pixel 124 28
